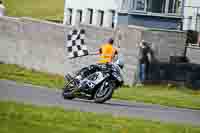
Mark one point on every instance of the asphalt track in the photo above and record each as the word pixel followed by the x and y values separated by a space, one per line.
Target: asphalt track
pixel 12 91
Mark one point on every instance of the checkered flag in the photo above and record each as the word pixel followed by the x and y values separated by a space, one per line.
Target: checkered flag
pixel 76 44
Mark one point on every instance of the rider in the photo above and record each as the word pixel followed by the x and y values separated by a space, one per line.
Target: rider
pixel 107 52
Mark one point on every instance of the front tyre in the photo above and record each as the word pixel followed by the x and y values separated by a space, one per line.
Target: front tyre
pixel 68 92
pixel 104 93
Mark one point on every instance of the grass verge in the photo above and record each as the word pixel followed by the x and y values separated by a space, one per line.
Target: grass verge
pixel 23 75
pixel 41 9
pixel 17 118
pixel 160 94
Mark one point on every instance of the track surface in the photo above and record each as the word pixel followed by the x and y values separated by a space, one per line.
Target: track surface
pixel 12 91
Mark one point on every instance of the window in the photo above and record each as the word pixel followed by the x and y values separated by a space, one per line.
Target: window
pixel 80 13
pixel 171 6
pixel 113 19
pixel 189 25
pixel 198 23
pixel 132 4
pixel 125 4
pixel 91 15
pixel 70 15
pixel 140 5
pixel 156 6
pixel 101 17
pixel 174 6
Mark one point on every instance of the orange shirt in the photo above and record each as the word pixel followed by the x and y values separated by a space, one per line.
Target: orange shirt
pixel 107 52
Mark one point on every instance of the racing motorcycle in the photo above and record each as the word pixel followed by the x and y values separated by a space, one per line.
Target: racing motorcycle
pixel 96 82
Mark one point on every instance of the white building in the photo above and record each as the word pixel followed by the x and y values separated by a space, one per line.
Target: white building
pixel 167 14
pixel 191 15
pixel 96 12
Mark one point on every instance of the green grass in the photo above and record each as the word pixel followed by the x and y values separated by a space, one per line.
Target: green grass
pixel 41 9
pixel 20 74
pixel 160 94
pixel 21 118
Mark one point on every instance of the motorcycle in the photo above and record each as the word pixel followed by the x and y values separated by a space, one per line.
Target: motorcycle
pixel 96 82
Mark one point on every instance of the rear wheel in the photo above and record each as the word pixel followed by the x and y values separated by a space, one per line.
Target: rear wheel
pixel 104 93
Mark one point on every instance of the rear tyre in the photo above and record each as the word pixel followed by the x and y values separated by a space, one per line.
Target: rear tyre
pixel 104 93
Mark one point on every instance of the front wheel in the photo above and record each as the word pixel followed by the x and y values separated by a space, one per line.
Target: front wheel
pixel 68 92
pixel 104 93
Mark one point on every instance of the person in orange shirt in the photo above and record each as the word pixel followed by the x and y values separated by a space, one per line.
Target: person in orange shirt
pixel 107 52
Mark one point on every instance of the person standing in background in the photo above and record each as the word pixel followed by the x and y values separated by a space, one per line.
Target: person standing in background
pixel 2 9
pixel 145 57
